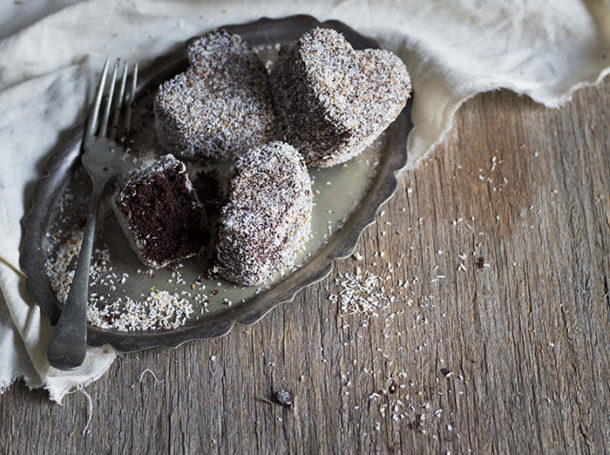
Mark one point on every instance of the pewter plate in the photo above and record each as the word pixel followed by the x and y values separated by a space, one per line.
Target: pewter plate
pixel 346 199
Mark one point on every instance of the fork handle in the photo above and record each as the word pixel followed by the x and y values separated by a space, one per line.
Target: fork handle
pixel 68 344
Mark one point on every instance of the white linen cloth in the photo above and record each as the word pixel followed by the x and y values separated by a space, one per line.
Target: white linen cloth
pixel 453 49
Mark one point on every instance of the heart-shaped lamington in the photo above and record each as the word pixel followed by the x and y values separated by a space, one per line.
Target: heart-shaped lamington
pixel 332 100
pixel 267 218
pixel 220 106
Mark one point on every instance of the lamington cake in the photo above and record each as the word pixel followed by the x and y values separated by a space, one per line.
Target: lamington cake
pixel 267 218
pixel 221 106
pixel 332 100
pixel 160 213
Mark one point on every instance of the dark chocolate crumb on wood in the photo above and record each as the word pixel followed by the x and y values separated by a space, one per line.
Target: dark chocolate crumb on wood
pixel 284 398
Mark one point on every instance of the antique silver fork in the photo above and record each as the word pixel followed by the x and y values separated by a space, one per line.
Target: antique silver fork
pixel 103 160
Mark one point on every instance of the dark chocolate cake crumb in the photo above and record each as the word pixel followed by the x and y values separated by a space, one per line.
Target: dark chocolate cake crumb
pixel 160 213
pixel 284 398
pixel 211 192
pixel 207 185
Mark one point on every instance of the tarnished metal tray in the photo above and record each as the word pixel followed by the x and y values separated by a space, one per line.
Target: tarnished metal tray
pixel 346 199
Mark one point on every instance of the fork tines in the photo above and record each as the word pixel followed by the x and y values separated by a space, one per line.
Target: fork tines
pixel 119 103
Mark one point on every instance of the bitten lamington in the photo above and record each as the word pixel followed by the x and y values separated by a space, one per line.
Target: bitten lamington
pixel 220 106
pixel 334 101
pixel 267 219
pixel 160 213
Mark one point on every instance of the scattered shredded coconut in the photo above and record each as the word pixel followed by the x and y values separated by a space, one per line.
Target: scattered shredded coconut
pixel 363 292
pixel 159 309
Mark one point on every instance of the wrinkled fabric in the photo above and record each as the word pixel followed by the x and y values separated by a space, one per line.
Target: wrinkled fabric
pixel 453 50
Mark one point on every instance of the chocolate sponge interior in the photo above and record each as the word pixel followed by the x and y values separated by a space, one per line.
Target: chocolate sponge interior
pixel 162 212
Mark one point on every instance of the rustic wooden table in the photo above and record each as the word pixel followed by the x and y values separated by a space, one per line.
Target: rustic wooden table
pixel 499 343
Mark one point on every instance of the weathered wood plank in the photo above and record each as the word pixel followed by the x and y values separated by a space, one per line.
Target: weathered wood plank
pixel 506 358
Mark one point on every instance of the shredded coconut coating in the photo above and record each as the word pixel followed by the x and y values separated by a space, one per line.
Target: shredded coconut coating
pixel 221 106
pixel 267 219
pixel 139 237
pixel 334 101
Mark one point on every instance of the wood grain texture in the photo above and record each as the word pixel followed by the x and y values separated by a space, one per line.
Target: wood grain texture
pixel 509 358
